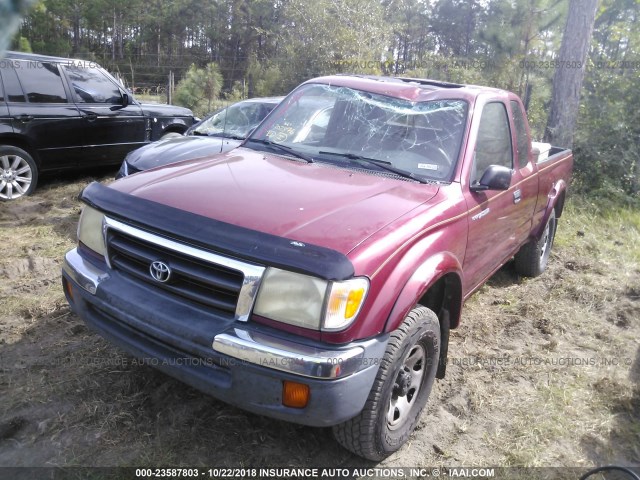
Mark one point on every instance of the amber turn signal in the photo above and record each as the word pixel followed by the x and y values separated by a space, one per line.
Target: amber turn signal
pixel 68 289
pixel 295 394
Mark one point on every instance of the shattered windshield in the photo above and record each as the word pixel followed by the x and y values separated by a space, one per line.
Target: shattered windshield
pixel 418 140
pixel 235 121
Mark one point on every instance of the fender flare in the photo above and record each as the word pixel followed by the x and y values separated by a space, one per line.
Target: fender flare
pixel 441 266
pixel 555 198
pixel 424 277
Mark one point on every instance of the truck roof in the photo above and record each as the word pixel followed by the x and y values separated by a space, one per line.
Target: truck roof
pixel 411 89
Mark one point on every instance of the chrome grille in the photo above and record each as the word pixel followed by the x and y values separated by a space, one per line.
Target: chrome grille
pixel 199 276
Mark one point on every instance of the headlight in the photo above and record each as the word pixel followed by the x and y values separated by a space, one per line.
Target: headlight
pixel 309 302
pixel 291 298
pixel 90 230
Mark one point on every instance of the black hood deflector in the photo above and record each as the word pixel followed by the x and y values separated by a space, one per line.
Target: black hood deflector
pixel 219 237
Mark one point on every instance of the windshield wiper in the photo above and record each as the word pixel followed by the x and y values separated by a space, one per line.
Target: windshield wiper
pixel 232 137
pixel 378 163
pixel 283 148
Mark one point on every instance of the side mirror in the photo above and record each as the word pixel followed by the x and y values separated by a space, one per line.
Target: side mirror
pixel 125 99
pixel 495 177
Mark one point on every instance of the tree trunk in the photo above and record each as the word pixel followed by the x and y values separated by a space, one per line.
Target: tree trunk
pixel 567 80
pixel 113 37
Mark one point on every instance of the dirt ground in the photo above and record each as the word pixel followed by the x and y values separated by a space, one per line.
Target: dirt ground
pixel 542 372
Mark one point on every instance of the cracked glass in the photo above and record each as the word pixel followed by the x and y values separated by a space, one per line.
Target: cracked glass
pixel 363 130
pixel 234 121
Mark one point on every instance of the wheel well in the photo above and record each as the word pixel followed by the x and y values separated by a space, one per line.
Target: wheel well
pixel 445 294
pixel 174 129
pixel 21 143
pixel 444 298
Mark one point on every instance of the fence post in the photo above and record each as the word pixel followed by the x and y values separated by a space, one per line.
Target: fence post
pixel 170 87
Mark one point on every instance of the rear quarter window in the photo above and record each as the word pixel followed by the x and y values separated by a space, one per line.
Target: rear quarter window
pixel 41 81
pixel 524 143
pixel 13 90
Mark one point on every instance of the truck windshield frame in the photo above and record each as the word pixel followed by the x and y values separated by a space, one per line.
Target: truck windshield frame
pixel 336 124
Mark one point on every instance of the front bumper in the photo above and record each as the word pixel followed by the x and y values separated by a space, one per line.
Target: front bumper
pixel 240 363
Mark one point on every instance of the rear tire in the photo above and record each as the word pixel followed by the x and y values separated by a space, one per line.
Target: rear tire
pixel 18 173
pixel 400 391
pixel 531 260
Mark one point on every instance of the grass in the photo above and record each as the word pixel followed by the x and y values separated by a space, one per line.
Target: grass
pixel 609 234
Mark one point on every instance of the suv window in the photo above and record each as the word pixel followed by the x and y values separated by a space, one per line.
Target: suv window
pixel 90 85
pixel 235 120
pixel 10 79
pixel 41 81
pixel 522 145
pixel 493 146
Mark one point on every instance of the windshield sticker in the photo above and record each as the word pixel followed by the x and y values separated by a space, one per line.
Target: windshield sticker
pixel 428 166
pixel 280 133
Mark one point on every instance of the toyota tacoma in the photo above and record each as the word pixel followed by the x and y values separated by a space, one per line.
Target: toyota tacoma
pixel 314 273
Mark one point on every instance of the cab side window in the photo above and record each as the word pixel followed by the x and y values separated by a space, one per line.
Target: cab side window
pixel 523 144
pixel 41 81
pixel 493 146
pixel 90 85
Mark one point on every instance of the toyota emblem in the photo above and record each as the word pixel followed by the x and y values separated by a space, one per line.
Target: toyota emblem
pixel 160 271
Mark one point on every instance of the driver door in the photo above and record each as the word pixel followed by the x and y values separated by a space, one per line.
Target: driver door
pixel 494 216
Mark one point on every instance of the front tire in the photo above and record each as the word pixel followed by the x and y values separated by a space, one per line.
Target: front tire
pixel 18 173
pixel 400 391
pixel 531 260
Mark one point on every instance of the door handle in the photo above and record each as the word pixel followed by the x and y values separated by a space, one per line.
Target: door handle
pixel 24 118
pixel 91 116
pixel 517 196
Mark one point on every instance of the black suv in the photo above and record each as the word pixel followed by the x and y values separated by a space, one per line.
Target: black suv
pixel 60 113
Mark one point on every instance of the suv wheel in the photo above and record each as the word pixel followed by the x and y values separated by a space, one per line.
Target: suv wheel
pixel 400 390
pixel 18 173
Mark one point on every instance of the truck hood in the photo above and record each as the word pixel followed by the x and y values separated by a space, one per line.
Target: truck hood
pixel 313 203
pixel 177 149
pixel 158 110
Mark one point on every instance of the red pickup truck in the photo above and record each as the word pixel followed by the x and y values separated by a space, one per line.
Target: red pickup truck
pixel 314 273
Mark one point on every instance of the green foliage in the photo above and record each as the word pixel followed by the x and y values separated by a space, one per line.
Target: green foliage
pixel 264 79
pixel 23 44
pixel 332 36
pixel 236 93
pixel 607 153
pixel 200 88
